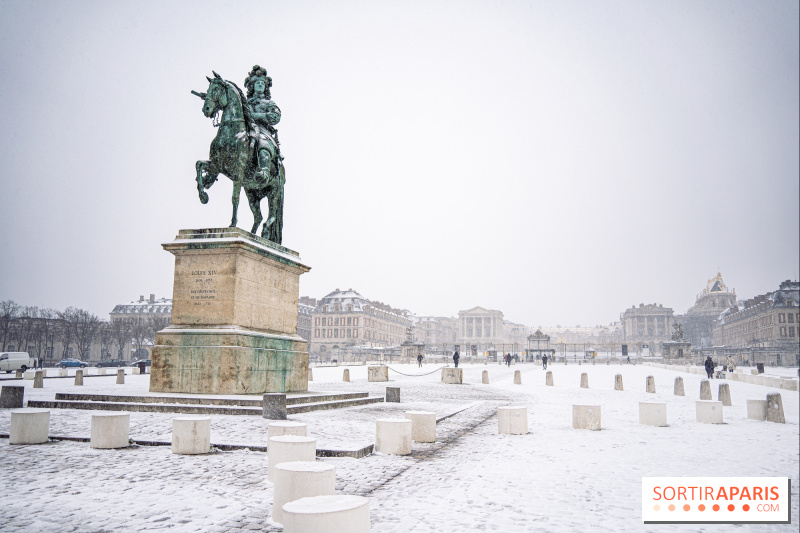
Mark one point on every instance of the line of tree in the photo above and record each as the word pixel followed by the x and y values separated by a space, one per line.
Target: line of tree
pixel 38 330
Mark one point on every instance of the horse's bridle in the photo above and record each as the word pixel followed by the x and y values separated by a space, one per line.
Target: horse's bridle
pixel 214 121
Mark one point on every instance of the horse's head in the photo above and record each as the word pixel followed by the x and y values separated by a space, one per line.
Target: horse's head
pixel 216 98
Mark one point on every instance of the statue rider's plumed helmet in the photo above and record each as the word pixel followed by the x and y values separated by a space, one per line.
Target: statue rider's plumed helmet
pixel 256 73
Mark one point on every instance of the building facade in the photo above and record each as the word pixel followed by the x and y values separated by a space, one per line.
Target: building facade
pixel 647 325
pixel 481 330
pixel 439 333
pixel 344 320
pixel 305 309
pixel 699 320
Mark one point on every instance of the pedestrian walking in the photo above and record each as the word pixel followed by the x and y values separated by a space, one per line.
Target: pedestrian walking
pixel 544 362
pixel 709 364
pixel 419 360
pixel 456 357
pixel 508 359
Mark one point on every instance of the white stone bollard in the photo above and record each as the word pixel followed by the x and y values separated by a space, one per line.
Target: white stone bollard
pixel 453 376
pixel 423 425
pixel 38 380
pixel 300 479
pixel 287 449
pixel 377 373
pixel 775 408
pixel 62 372
pixel 650 385
pixel 29 426
pixel 653 414
pixel 618 382
pixel 135 370
pixel 101 371
pixel 789 384
pixel 485 377
pixel 393 436
pixel 517 377
pixel 121 376
pixel 757 409
pixel 705 390
pixel 346 375
pixel 584 380
pixel 512 420
pixel 341 513
pixel 709 412
pixel 724 394
pixel 586 417
pixel 79 377
pixel 191 435
pixel 286 427
pixel 29 375
pixel 110 430
pixel 548 379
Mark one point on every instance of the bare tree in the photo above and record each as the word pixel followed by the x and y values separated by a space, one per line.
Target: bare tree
pixel 24 328
pixel 122 335
pixel 64 330
pixel 44 333
pixel 8 312
pixel 140 335
pixel 85 329
pixel 106 337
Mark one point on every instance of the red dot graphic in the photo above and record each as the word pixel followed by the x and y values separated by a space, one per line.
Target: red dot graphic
pixel 731 507
pixel 716 507
pixel 746 507
pixel 701 507
pixel 687 507
pixel 671 507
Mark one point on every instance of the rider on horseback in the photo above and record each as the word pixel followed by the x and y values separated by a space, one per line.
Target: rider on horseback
pixel 265 115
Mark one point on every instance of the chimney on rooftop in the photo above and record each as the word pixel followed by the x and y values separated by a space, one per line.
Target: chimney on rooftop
pixel 152 298
pixel 141 298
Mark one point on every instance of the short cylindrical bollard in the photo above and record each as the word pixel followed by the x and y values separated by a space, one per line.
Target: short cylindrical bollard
pixel 485 377
pixel 12 396
pixel 289 448
pixel 79 377
pixel 29 426
pixel 392 394
pixel 101 371
pixel 274 405
pixel 517 377
pixel 678 391
pixel 775 408
pixel 724 394
pixel 110 430
pixel 120 376
pixel 286 427
pixel 38 379
pixel 653 414
pixel 584 380
pixel 191 435
pixel 586 417
pixel 341 513
pixel 393 436
pixel 650 385
pixel 618 382
pixel 512 420
pixel 300 479
pixel 62 372
pixel 709 412
pixel 346 375
pixel 423 425
pixel 705 390
pixel 310 374
pixel 548 379
pixel 757 409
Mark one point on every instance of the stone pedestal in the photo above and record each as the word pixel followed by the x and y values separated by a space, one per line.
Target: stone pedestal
pixel 705 390
pixel 339 513
pixel 377 373
pixel 775 408
pixel 38 380
pixel 346 375
pixel 709 412
pixel 289 448
pixel 584 380
pixel 548 379
pixel 586 417
pixel 485 377
pixel 653 414
pixel 191 435
pixel 512 420
pixel 650 385
pixel 234 317
pixel 29 426
pixel 120 376
pixel 618 382
pixel 517 377
pixel 423 425
pixel 300 479
pixel 757 409
pixel 110 430
pixel 724 394
pixel 454 376
pixel 393 436
pixel 11 396
pixel 79 377
pixel 278 429
pixel 678 391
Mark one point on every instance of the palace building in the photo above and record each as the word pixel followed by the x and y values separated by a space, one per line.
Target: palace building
pixel 699 320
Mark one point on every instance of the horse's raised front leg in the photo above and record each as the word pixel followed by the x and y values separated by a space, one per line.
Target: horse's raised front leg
pixel 255 206
pixel 206 176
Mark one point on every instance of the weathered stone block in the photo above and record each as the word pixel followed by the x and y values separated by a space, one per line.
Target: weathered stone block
pixel 38 380
pixel 310 374
pixel 101 371
pixel 584 380
pixel 287 449
pixel 485 377
pixel 724 394
pixel 191 435
pixel 120 376
pixel 548 379
pixel 79 377
pixel 274 404
pixel 618 382
pixel 110 430
pixel 346 375
pixel 423 425
pixel 650 385
pixel 512 420
pixel 377 373
pixel 517 377
pixel 586 417
pixel 653 414
pixel 29 426
pixel 331 514
pixel 775 408
pixel 393 436
pixel 757 409
pixel 709 412
pixel 287 427
pixel 63 372
pixel 678 389
pixel 12 396
pixel 453 376
pixel 300 479
pixel 705 390
pixel 393 394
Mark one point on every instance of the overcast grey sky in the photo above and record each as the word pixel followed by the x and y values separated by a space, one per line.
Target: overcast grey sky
pixel 557 160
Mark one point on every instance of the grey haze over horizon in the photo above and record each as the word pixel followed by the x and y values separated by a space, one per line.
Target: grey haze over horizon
pixel 558 161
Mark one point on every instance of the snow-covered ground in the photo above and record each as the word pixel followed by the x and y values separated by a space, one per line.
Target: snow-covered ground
pixel 552 479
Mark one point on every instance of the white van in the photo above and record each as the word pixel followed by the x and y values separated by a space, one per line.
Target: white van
pixel 10 361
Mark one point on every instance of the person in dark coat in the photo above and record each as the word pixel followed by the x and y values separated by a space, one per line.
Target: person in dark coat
pixel 419 360
pixel 544 362
pixel 709 364
pixel 456 357
pixel 508 359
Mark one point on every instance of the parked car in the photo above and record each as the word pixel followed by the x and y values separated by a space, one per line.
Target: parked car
pixel 11 361
pixel 146 362
pixel 72 362
pixel 112 362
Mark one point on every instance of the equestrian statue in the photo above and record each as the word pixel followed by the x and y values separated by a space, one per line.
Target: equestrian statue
pixel 246 147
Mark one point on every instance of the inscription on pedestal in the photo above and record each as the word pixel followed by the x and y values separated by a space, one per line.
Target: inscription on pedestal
pixel 204 287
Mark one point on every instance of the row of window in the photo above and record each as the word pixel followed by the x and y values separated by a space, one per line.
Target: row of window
pixel 336 321
pixel 335 333
pixel 788 317
pixel 791 331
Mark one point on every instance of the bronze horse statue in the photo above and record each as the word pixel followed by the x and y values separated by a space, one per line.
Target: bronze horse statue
pixel 235 151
